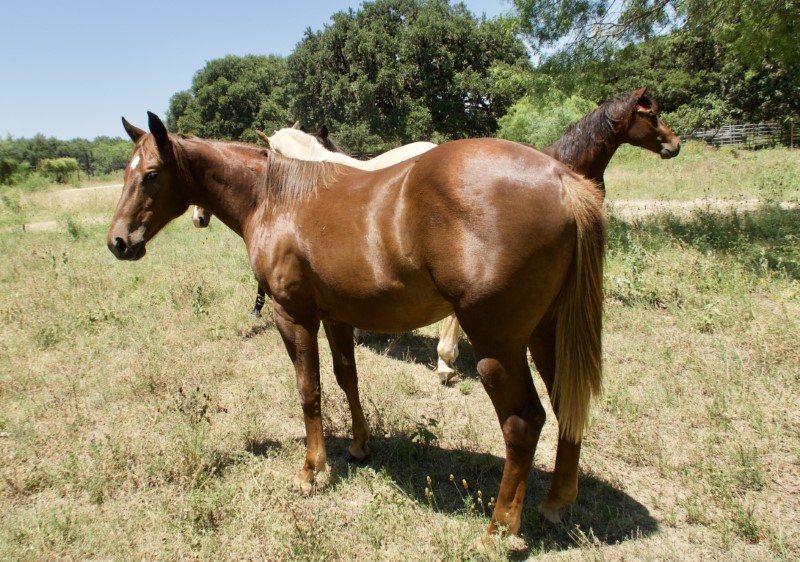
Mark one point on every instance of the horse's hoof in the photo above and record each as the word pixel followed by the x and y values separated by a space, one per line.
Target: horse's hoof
pixel 306 488
pixel 445 372
pixel 358 455
pixel 552 514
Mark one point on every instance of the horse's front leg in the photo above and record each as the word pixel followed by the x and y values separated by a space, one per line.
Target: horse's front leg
pixel 300 338
pixel 340 339
pixel 447 349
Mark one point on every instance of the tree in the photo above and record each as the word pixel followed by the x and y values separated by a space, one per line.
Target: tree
pixel 232 97
pixel 403 70
pixel 757 31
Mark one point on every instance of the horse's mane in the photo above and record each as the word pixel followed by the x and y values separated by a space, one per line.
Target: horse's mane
pixel 597 129
pixel 289 181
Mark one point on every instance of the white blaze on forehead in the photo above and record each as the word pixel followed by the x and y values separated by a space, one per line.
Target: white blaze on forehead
pixel 135 161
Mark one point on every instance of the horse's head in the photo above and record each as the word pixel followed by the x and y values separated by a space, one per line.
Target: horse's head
pixel 327 143
pixel 296 143
pixel 152 194
pixel 645 128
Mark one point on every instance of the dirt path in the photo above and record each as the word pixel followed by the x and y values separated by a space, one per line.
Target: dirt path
pixel 626 208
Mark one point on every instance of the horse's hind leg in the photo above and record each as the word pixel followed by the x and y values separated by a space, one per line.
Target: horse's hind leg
pixel 340 339
pixel 564 487
pixel 447 348
pixel 507 380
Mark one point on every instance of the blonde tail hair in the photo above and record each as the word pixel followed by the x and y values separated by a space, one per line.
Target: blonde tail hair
pixel 578 376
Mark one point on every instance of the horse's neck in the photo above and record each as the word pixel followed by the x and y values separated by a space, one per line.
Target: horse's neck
pixel 587 148
pixel 226 185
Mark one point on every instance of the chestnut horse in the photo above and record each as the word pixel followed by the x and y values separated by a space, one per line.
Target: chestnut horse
pixel 587 147
pixel 506 237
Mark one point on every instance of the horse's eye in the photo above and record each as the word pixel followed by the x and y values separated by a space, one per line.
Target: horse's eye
pixel 151 176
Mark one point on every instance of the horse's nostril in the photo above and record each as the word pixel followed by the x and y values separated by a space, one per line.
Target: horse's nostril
pixel 119 245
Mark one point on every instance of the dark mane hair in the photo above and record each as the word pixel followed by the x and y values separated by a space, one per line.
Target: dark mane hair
pixel 599 125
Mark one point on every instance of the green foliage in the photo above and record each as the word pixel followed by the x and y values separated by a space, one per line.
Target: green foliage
pixel 540 121
pixel 404 70
pixel 232 97
pixel 8 169
pixel 98 157
pixel 708 62
pixel 60 170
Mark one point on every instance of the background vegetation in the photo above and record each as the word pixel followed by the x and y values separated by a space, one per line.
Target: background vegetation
pixel 396 71
pixel 145 415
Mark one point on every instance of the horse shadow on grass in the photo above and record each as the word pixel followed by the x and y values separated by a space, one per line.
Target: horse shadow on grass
pixel 602 514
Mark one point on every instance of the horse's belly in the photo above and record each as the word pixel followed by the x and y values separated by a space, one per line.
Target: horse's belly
pixel 385 311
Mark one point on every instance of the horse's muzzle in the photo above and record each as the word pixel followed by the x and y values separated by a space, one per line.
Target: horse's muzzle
pixel 122 250
pixel 670 151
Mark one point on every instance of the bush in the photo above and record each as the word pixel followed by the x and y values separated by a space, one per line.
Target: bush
pixel 59 170
pixel 542 120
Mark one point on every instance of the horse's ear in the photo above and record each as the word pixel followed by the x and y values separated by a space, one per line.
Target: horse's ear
pixel 642 100
pixel 134 132
pixel 296 125
pixel 264 138
pixel 158 129
pixel 323 132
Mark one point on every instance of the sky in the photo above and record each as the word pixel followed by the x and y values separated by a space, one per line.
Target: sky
pixel 73 69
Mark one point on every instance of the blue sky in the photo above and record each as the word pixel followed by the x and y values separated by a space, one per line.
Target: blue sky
pixel 72 69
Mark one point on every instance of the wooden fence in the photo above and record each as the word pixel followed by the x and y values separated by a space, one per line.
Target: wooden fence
pixel 751 135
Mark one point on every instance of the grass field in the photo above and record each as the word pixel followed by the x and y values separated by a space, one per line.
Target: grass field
pixel 145 415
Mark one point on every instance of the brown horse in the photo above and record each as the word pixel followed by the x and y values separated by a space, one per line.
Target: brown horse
pixel 506 237
pixel 588 145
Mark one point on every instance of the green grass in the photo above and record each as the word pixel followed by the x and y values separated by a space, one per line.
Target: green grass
pixel 701 171
pixel 144 414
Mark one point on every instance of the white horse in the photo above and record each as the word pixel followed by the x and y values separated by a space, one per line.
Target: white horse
pixel 295 143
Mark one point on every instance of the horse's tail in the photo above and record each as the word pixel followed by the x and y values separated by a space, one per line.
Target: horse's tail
pixel 580 312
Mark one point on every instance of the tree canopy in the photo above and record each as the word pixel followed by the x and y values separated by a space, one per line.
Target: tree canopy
pixel 406 70
pixel 232 97
pixel 397 71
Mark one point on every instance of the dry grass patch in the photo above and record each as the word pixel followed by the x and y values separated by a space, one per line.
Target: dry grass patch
pixel 144 414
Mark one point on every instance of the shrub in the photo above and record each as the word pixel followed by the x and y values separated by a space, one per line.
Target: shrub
pixel 59 170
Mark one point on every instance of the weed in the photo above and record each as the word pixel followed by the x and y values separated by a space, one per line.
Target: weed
pixel 199 301
pixel 466 387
